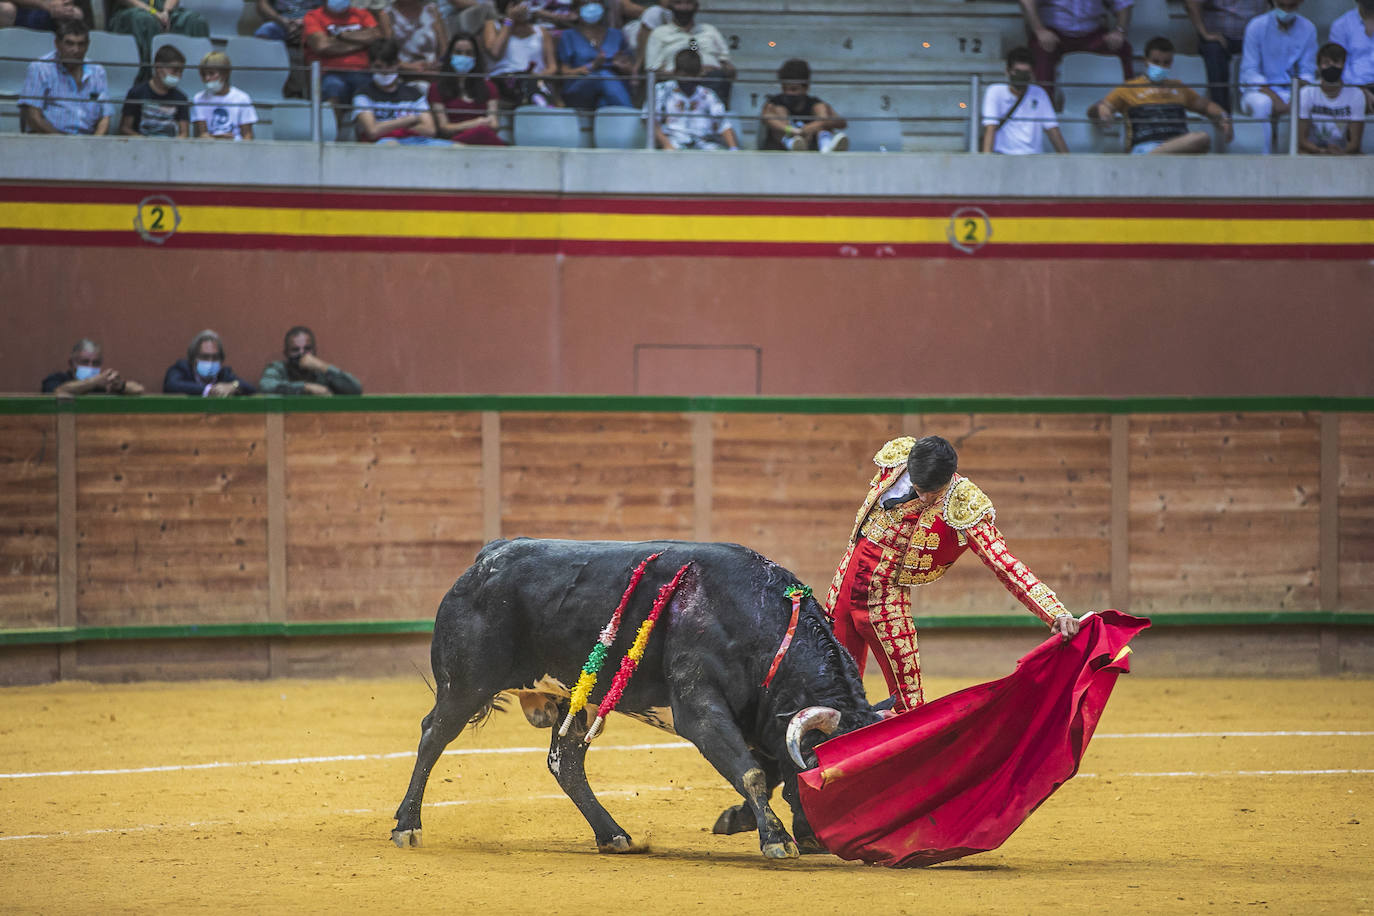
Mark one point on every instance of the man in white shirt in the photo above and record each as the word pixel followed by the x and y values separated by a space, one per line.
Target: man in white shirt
pixel 688 114
pixel 1331 115
pixel 1018 114
pixel 1278 46
pixel 685 32
pixel 1354 31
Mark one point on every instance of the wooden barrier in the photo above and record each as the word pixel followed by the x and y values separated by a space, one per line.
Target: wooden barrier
pixel 260 520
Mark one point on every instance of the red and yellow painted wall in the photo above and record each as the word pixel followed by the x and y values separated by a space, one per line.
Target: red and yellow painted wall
pixel 438 292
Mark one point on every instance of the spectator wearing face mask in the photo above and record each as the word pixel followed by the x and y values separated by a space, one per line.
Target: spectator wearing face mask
pixel 1155 108
pixel 338 35
pixel 390 111
pixel 689 114
pixel 595 56
pixel 465 105
pixel 1354 31
pixel 85 374
pixel 221 111
pixel 303 372
pixel 1018 114
pixel 157 108
pixel 202 373
pixel 798 121
pixel 1331 115
pixel 1278 47
pixel 683 33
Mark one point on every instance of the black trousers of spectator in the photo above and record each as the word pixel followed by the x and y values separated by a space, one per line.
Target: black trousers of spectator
pixel 1046 63
pixel 1216 57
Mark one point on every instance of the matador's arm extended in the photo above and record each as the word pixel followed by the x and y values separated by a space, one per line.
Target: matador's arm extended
pixel 985 540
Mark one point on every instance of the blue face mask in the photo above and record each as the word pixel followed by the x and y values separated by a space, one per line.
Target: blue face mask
pixel 336 7
pixel 591 13
pixel 1285 16
pixel 207 368
pixel 1156 73
pixel 84 372
pixel 462 63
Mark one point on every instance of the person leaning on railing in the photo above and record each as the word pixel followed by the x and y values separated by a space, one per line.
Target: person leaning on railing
pixel 85 374
pixel 303 372
pixel 62 93
pixel 202 373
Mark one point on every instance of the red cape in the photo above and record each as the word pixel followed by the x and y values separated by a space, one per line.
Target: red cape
pixel 960 774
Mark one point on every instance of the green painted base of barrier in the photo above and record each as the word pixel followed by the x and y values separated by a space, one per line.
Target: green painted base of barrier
pixel 44 636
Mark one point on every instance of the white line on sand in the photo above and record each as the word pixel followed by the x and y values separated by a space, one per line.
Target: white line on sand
pixel 661 746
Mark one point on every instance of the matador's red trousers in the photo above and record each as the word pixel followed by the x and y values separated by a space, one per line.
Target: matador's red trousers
pixel 871 611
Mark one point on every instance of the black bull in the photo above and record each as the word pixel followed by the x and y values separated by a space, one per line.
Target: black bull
pixel 525 614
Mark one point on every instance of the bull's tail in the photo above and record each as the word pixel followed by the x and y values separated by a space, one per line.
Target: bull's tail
pixel 496 704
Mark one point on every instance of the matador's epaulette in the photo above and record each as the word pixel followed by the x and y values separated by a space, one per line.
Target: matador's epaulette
pixel 966 505
pixel 894 453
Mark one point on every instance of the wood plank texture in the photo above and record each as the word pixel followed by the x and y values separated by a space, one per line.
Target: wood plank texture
pixel 788 485
pixel 28 521
pixel 172 519
pixel 384 511
pixel 1356 512
pixel 1049 477
pixel 596 476
pixel 1224 512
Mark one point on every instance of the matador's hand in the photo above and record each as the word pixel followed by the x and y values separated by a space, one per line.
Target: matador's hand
pixel 1065 626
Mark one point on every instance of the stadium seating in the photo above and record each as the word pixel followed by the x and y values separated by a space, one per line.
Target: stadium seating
pixel 291 121
pixel 119 55
pixel 250 53
pixel 536 126
pixel 23 46
pixel 874 135
pixel 9 116
pixel 221 15
pixel 617 127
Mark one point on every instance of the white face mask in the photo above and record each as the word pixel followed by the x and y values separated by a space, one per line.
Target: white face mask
pixel 84 372
pixel 385 80
pixel 170 80
pixel 214 87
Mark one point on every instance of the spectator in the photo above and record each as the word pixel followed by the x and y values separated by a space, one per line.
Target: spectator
pixel 38 14
pixel 638 28
pixel 1278 47
pixel 303 372
pixel 390 111
pixel 222 111
pixel 521 52
pixel 1017 114
pixel 338 36
pixel 157 108
pixel 685 32
pixel 1155 108
pixel 146 19
pixel 1058 27
pixel 555 14
pixel 598 54
pixel 62 93
pixel 1220 26
pixel 1330 116
pixel 419 31
pixel 84 375
pixel 464 105
pixel 284 20
pixel 690 115
pixel 1354 31
pixel 203 373
pixel 796 120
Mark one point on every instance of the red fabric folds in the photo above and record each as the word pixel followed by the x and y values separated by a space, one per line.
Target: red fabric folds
pixel 960 774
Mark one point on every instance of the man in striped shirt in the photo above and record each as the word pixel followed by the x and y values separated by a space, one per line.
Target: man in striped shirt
pixel 62 93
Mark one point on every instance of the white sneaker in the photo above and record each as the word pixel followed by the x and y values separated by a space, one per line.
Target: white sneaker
pixel 794 144
pixel 836 142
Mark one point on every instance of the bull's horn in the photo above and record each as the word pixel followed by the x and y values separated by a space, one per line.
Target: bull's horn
pixel 821 717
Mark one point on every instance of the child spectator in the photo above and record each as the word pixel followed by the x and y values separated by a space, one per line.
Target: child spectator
pixel 390 111
pixel 146 20
pixel 221 111
pixel 597 53
pixel 1330 115
pixel 1018 114
pixel 464 104
pixel 690 116
pixel 798 121
pixel 419 30
pixel 157 108
pixel 1155 108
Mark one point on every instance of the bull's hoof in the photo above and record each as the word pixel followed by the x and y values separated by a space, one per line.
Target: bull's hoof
pixel 786 850
pixel 404 838
pixel 622 844
pixel 738 819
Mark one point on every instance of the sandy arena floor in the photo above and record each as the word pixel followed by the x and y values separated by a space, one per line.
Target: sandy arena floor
pixel 1211 796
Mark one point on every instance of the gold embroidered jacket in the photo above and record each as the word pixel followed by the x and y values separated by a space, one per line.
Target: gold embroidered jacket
pixel 928 540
